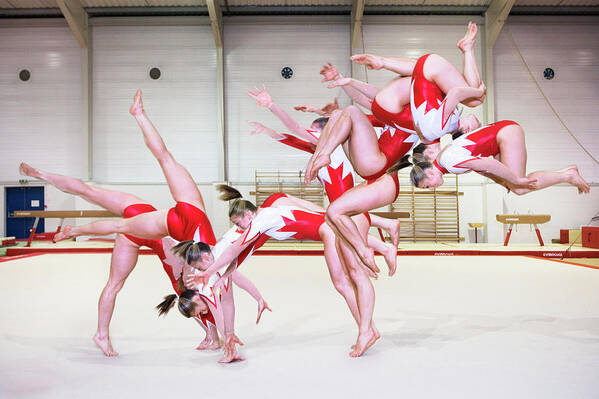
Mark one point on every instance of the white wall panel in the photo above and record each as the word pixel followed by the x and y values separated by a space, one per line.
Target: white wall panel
pixel 572 51
pixel 255 54
pixel 41 120
pixel 181 103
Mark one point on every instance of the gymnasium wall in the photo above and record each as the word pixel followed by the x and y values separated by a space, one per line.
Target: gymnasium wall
pixel 41 119
pixel 182 103
pixel 570 47
pixel 255 53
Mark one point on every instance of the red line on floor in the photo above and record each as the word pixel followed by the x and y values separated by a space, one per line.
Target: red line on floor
pixel 567 262
pixel 9 258
pixel 317 252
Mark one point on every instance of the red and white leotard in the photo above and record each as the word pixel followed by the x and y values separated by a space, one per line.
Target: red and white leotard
pixel 396 137
pixel 157 246
pixel 187 222
pixel 427 103
pixel 226 240
pixel 338 176
pixel 283 222
pixel 479 143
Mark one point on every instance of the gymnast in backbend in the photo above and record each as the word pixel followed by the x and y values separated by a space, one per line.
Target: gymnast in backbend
pixel 436 88
pixel 497 151
pixel 283 217
pixel 337 177
pixel 186 221
pixel 391 104
pixel 359 143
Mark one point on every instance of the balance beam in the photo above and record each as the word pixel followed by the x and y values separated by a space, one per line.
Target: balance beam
pixel 523 219
pixel 57 215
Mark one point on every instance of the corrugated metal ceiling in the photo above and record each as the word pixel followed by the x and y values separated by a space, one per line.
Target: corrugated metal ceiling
pixel 141 4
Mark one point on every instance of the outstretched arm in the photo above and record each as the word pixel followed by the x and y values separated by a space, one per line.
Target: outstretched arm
pixel 360 92
pixel 245 284
pixel 265 100
pixel 402 66
pixel 326 110
pixel 286 139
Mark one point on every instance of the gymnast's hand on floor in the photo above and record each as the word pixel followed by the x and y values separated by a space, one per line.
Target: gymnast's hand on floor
pixel 230 352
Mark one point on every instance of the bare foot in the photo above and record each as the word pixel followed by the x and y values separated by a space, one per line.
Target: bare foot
pixel 262 306
pixel 105 345
pixel 27 170
pixel 390 255
pixel 575 179
pixel 137 108
pixel 63 235
pixel 375 338
pixel 316 162
pixel 209 344
pixel 375 331
pixel 363 343
pixel 367 257
pixel 467 42
pixel 231 357
pixel 394 232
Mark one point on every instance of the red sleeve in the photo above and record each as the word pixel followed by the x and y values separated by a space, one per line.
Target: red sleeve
pixel 295 142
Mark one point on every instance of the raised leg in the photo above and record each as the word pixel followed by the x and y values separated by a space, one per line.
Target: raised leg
pixel 394 95
pixel 389 252
pixel 389 225
pixel 124 258
pixel 512 150
pixel 466 45
pixel 441 72
pixel 150 225
pixel 180 182
pixel 359 199
pixel 114 201
pixel 364 153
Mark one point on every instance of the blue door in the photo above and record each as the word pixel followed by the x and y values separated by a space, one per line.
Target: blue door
pixel 23 199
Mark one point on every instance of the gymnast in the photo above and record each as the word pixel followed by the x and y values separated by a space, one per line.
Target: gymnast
pixel 337 177
pixel 125 252
pixel 283 217
pixel 198 255
pixel 497 151
pixel 186 221
pixel 391 141
pixel 435 89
